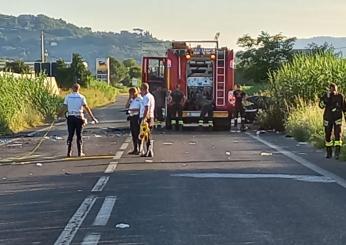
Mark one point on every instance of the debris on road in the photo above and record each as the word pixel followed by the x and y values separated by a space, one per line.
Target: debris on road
pixel 148 160
pixel 260 132
pixel 122 226
pixel 192 143
pixel 302 143
pixel 4 178
pixel 15 145
pixel 57 137
pixel 266 154
pixel 97 136
pixel 39 164
pixel 167 143
pixel 228 153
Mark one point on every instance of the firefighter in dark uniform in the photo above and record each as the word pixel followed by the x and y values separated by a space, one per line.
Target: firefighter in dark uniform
pixel 177 101
pixel 334 105
pixel 160 101
pixel 205 104
pixel 239 107
pixel 75 103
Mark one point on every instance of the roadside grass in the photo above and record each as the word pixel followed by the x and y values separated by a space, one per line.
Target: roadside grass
pixel 25 102
pixel 254 88
pixel 97 93
pixel 305 124
pixel 28 102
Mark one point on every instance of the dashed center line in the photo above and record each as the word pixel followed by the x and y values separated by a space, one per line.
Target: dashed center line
pixel 75 222
pixel 91 239
pixel 105 211
pixel 118 155
pixel 124 146
pixel 111 167
pixel 100 184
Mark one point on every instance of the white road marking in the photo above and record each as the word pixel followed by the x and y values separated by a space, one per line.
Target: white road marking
pixel 340 181
pixel 128 139
pixel 75 222
pixel 124 146
pixel 105 211
pixel 100 184
pixel 111 167
pixel 306 178
pixel 118 155
pixel 91 239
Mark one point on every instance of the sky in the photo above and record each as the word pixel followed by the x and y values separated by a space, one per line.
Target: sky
pixel 195 19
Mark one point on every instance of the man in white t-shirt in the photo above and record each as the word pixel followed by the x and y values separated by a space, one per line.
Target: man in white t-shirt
pixel 75 104
pixel 147 114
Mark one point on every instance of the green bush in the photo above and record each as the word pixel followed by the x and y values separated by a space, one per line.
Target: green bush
pixel 307 77
pixel 303 80
pixel 25 102
pixel 305 122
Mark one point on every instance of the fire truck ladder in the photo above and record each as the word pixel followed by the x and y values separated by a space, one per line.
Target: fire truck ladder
pixel 220 78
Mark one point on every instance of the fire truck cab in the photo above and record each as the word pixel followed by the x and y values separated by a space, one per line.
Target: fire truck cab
pixel 203 70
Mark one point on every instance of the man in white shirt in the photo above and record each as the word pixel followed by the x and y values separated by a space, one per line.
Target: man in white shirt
pixel 147 114
pixel 75 104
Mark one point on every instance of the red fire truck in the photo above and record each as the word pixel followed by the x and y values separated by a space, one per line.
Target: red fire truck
pixel 199 67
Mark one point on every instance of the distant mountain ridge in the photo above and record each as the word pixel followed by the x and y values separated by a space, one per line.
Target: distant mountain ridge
pixel 339 43
pixel 20 39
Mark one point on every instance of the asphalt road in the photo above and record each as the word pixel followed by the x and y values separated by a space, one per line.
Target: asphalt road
pixel 201 188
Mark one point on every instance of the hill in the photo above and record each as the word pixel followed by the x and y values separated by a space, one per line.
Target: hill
pixel 338 42
pixel 20 39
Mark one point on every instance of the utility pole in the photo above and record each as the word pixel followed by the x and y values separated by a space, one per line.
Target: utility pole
pixel 43 59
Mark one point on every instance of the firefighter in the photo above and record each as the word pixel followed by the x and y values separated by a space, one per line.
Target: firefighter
pixel 177 101
pixel 147 118
pixel 334 105
pixel 206 106
pixel 160 101
pixel 239 110
pixel 75 103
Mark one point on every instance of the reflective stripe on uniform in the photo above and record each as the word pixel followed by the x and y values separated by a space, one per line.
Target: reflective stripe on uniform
pixel 200 122
pixel 210 123
pixel 325 123
pixel 329 143
pixel 338 122
pixel 173 122
pixel 338 143
pixel 181 122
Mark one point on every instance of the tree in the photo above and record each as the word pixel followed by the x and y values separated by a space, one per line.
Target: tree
pixel 130 63
pixel 263 55
pixel 321 49
pixel 63 74
pixel 135 72
pixel 79 70
pixel 17 66
pixel 118 71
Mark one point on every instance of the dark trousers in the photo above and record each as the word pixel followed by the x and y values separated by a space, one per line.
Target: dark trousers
pixel 328 128
pixel 174 110
pixel 74 125
pixel 158 113
pixel 135 128
pixel 206 110
pixel 239 111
